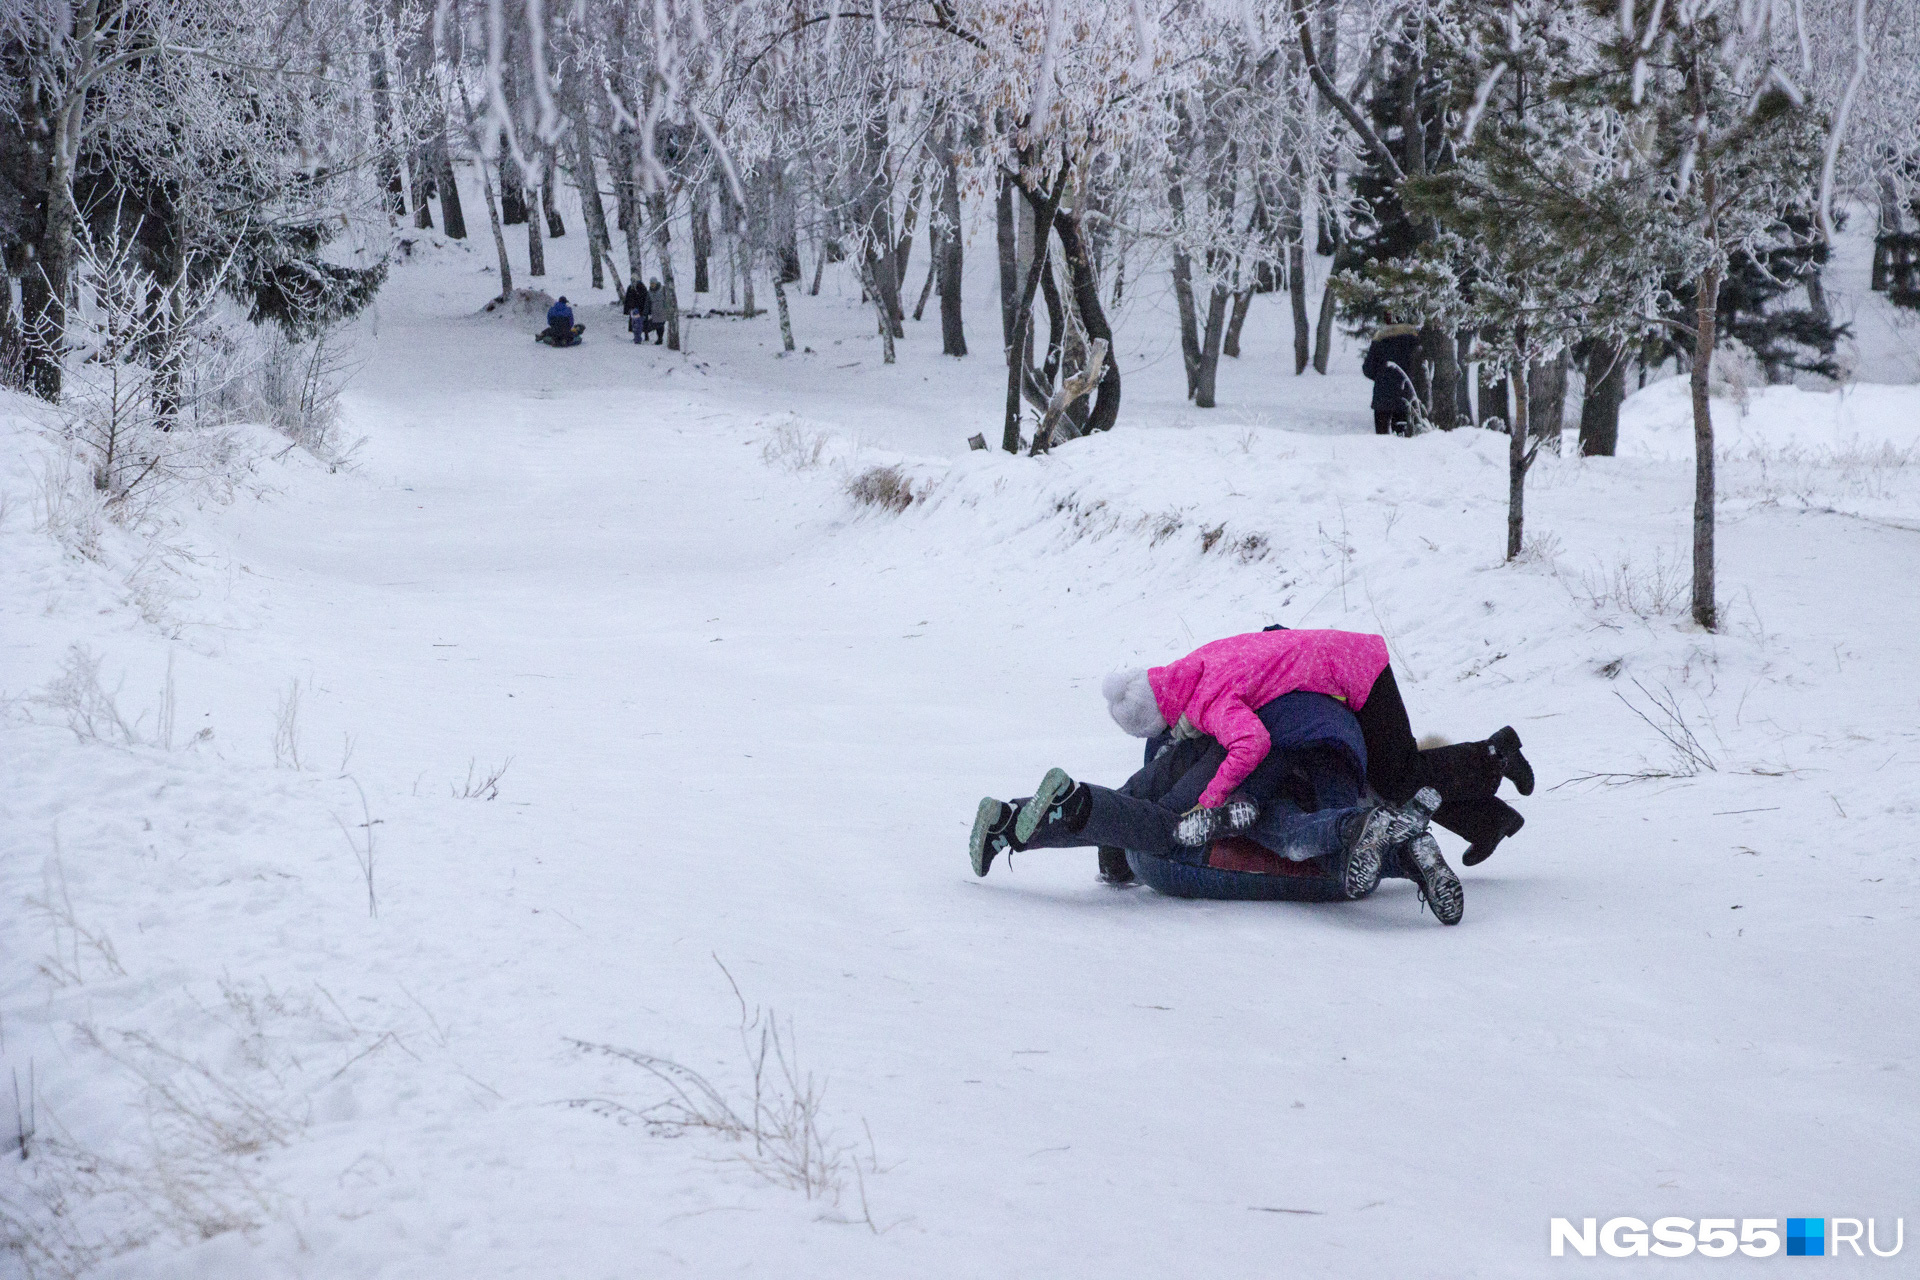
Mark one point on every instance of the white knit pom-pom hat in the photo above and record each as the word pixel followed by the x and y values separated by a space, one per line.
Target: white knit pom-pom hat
pixel 1131 703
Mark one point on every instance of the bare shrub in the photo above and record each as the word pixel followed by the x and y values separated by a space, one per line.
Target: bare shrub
pixel 286 728
pixel 72 511
pixel 1815 479
pixel 1250 547
pixel 299 386
pixel 1539 548
pixel 65 966
pixel 482 786
pixel 1247 548
pixel 363 848
pixel 884 488
pixel 792 449
pixel 1161 526
pixel 777 1110
pixel 1645 591
pixel 92 711
pixel 143 336
pixel 187 1167
pixel 1688 756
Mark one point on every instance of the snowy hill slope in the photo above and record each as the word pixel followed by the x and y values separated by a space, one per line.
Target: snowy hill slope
pixel 747 721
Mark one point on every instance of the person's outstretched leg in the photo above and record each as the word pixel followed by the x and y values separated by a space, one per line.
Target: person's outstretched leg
pixel 1078 814
pixel 1393 757
pixel 1482 823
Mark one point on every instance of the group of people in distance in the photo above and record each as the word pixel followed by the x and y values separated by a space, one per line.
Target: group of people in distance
pixel 644 307
pixel 1279 765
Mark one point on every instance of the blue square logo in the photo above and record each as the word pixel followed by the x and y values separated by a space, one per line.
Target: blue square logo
pixel 1806 1237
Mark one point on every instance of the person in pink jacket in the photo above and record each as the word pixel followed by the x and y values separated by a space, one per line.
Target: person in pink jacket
pixel 1216 689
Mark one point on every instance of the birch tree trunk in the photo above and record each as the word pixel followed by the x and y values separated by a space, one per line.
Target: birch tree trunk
pixel 592 208
pixel 627 203
pixel 1006 238
pixel 536 250
pixel 658 208
pixel 702 240
pixel 486 189
pixel 1705 612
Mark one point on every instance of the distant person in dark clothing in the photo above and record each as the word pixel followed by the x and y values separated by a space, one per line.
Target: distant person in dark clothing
pixel 656 321
pixel 636 304
pixel 561 331
pixel 1393 358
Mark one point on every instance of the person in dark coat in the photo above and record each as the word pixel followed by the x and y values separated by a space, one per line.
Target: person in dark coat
pixel 561 331
pixel 634 303
pixel 656 312
pixel 1393 360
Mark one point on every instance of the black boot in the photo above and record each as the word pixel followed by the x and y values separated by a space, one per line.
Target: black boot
pixel 1513 765
pixel 1483 823
pixel 1463 771
pixel 1114 867
pixel 1481 849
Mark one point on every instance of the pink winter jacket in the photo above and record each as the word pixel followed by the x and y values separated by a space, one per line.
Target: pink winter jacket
pixel 1218 686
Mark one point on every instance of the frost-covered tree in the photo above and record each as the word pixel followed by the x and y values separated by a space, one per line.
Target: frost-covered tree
pixel 1721 141
pixel 208 134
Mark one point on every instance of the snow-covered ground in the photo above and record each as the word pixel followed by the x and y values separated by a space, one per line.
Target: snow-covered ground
pixel 744 722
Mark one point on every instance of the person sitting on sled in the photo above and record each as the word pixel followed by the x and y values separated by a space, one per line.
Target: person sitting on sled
pixel 561 331
pixel 1288 772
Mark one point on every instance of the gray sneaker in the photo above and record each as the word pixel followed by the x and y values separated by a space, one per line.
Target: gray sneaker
pixel 1440 888
pixel 1054 788
pixel 992 827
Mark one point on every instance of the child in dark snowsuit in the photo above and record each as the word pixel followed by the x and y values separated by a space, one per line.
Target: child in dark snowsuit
pixel 1391 361
pixel 561 331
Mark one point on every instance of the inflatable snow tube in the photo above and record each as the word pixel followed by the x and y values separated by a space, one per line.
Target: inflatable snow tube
pixel 1240 870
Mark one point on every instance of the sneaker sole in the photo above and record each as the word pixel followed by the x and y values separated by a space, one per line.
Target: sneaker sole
pixel 1052 788
pixel 1363 860
pixel 978 848
pixel 1440 888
